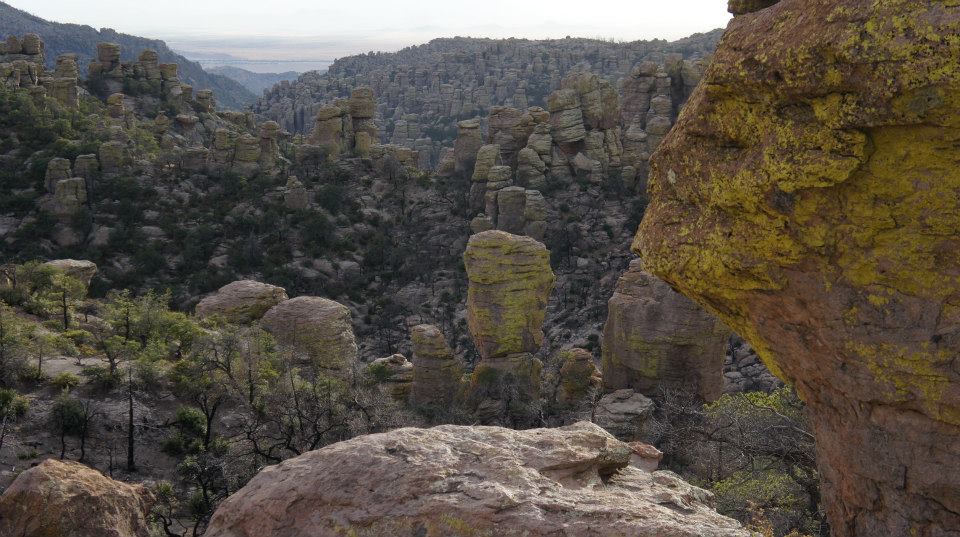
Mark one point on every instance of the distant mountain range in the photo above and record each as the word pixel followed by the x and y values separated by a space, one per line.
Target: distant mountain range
pixel 255 82
pixel 81 40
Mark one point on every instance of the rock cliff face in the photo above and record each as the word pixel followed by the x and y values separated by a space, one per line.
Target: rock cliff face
pixel 68 499
pixel 807 195
pixel 470 482
pixel 656 338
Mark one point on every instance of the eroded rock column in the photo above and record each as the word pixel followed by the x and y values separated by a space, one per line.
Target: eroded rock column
pixel 808 196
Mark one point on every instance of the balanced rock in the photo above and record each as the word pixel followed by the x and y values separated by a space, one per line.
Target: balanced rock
pixel 436 373
pixel 317 326
pixel 655 338
pixel 808 196
pixel 68 499
pixel 510 281
pixel 242 301
pixel 455 481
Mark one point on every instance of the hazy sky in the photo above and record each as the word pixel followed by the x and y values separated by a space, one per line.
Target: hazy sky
pixel 385 21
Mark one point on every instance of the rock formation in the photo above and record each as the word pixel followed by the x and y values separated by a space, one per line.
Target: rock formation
pixel 317 326
pixel 623 413
pixel 578 378
pixel 807 196
pixel 510 283
pixel 82 270
pixel 436 373
pixel 470 481
pixel 656 338
pixel 68 499
pixel 742 7
pixel 241 301
pixel 395 373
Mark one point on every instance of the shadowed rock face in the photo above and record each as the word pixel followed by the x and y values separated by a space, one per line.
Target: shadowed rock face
pixel 808 195
pixel 656 338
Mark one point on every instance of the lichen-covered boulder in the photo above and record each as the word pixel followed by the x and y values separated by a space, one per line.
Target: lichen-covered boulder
pixel 510 281
pixel 68 499
pixel 436 372
pixel 242 301
pixel 655 338
pixel 808 196
pixel 317 326
pixel 455 481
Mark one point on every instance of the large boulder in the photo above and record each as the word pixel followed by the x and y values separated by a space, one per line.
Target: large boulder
pixel 242 301
pixel 808 196
pixel 468 482
pixel 510 281
pixel 68 499
pixel 80 269
pixel 656 339
pixel 317 326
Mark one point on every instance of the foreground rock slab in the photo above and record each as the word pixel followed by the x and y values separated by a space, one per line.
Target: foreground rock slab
pixel 808 196
pixel 457 481
pixel 68 499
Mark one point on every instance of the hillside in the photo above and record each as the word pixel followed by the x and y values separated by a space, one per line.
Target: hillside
pixel 61 38
pixel 255 82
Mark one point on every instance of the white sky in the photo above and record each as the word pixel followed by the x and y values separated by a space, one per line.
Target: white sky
pixel 385 21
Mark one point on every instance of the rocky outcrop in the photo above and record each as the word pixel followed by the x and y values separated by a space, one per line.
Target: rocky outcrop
pixel 395 373
pixel 624 413
pixel 807 196
pixel 509 284
pixel 470 481
pixel 578 378
pixel 242 301
pixel 436 372
pixel 68 499
pixel 655 339
pixel 82 270
pixel 510 281
pixel 319 327
pixel 742 7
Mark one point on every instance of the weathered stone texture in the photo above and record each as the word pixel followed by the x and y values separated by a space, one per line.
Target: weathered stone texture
pixel 808 197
